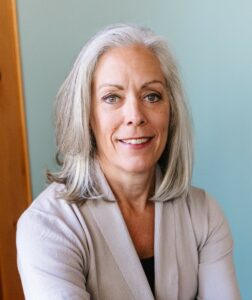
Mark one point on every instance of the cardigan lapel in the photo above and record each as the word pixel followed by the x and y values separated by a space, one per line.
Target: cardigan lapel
pixel 166 268
pixel 112 226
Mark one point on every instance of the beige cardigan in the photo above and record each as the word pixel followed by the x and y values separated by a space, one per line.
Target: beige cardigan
pixel 78 253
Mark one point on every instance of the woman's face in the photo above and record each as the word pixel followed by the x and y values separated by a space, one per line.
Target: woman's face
pixel 130 110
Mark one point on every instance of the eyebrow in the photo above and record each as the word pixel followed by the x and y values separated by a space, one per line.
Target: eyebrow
pixel 120 87
pixel 151 82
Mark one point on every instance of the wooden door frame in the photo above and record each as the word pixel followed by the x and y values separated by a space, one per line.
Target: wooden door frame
pixel 15 185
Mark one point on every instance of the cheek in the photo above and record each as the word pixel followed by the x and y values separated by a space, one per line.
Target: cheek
pixel 163 126
pixel 104 127
pixel 97 120
pixel 163 122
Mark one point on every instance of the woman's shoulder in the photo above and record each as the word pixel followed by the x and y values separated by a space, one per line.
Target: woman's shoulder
pixel 48 211
pixel 51 220
pixel 203 207
pixel 200 202
pixel 199 205
pixel 49 201
pixel 48 232
pixel 206 217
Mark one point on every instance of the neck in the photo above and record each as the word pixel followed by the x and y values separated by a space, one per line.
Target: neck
pixel 132 190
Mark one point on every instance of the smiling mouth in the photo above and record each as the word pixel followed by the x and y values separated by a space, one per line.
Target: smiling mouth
pixel 136 141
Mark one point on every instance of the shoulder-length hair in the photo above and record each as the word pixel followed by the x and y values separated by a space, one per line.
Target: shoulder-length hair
pixel 75 141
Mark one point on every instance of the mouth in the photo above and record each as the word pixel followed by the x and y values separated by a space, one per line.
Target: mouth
pixel 136 141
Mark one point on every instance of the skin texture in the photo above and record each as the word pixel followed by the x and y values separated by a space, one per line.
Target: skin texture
pixel 130 101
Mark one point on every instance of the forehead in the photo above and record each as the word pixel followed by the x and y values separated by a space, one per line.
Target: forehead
pixel 135 59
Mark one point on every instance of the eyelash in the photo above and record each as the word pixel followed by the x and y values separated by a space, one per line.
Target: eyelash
pixel 157 96
pixel 113 98
pixel 108 98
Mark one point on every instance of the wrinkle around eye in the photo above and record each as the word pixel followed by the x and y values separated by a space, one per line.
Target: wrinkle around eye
pixel 111 98
pixel 157 97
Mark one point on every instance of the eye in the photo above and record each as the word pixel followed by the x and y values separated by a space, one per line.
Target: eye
pixel 111 98
pixel 153 97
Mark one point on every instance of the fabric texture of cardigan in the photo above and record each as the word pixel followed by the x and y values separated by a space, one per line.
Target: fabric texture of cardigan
pixel 66 251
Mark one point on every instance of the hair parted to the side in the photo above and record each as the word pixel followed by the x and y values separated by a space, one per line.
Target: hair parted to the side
pixel 75 141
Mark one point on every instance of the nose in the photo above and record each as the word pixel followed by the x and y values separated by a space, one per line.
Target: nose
pixel 134 112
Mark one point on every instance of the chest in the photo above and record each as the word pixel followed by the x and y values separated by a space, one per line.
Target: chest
pixel 141 230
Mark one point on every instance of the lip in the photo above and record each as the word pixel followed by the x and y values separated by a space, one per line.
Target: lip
pixel 139 142
pixel 135 138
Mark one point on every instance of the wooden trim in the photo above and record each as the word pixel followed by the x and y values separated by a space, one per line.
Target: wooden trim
pixel 15 184
pixel 21 99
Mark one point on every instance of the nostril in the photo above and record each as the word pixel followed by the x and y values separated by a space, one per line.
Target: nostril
pixel 136 122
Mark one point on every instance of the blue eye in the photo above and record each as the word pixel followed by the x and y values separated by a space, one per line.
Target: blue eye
pixel 152 97
pixel 110 99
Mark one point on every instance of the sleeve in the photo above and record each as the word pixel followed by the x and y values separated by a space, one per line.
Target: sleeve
pixel 217 279
pixel 51 258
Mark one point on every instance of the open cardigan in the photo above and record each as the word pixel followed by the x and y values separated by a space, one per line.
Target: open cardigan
pixel 72 252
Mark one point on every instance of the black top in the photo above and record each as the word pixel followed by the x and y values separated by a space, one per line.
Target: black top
pixel 148 266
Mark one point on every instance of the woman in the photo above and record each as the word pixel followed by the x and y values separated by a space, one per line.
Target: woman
pixel 120 220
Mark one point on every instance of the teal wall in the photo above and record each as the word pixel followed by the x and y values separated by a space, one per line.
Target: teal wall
pixel 212 41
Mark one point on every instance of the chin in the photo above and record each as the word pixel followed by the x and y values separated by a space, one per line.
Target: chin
pixel 138 167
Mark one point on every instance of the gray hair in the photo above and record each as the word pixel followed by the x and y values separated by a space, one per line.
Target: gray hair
pixel 75 141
